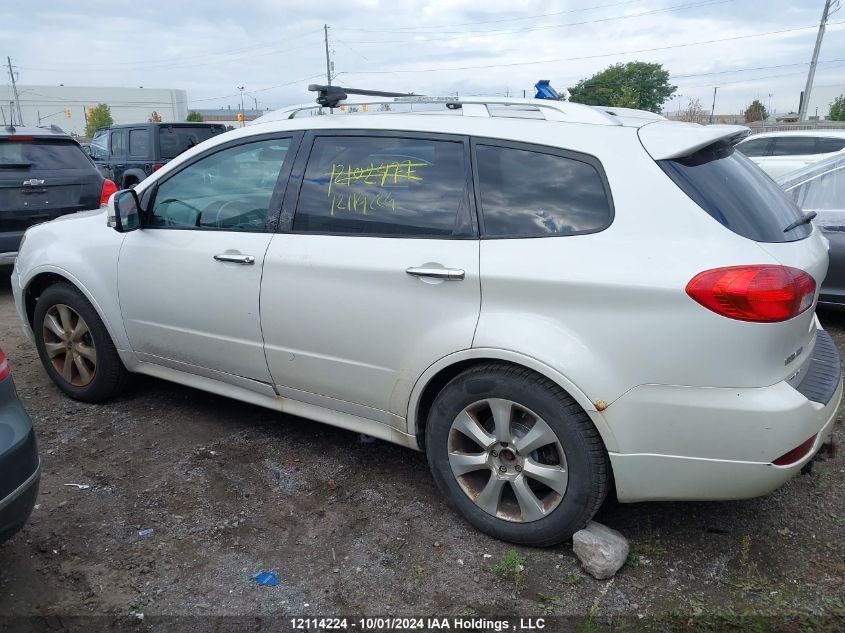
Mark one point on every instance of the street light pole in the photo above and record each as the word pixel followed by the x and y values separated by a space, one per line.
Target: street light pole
pixel 713 108
pixel 241 88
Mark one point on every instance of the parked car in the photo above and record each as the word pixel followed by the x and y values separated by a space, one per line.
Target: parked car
pixel 820 189
pixel 43 174
pixel 20 465
pixel 779 153
pixel 545 307
pixel 127 154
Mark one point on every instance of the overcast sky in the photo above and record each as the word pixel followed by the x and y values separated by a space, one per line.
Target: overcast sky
pixel 749 48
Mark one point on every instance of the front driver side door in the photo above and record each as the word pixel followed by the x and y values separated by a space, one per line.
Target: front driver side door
pixel 189 280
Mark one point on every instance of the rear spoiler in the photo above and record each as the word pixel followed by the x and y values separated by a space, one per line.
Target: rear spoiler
pixel 675 139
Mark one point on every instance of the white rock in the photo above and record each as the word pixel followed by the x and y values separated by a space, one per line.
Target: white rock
pixel 602 551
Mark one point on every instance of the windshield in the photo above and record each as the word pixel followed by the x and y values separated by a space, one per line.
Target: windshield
pixel 736 193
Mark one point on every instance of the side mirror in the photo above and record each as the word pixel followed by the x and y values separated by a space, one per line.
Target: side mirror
pixel 124 211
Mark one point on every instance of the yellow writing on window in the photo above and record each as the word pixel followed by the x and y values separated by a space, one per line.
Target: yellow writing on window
pixel 382 175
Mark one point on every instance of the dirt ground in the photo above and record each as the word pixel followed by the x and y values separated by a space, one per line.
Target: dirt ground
pixel 356 528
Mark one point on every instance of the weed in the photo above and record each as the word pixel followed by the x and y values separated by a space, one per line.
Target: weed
pixel 419 571
pixel 548 604
pixel 633 559
pixel 572 578
pixel 590 623
pixel 819 475
pixel 512 565
pixel 468 612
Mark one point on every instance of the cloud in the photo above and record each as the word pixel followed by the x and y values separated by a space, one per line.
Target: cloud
pixel 211 48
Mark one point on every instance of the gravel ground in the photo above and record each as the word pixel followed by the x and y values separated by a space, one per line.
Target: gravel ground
pixel 230 489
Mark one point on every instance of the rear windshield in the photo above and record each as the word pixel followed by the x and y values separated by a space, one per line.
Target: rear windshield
pixel 38 154
pixel 737 194
pixel 173 139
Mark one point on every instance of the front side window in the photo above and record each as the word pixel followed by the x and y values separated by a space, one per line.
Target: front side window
pixel 387 186
pixel 528 193
pixel 755 148
pixel 118 142
pixel 229 190
pixel 828 145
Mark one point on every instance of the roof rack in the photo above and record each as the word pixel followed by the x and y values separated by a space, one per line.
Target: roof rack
pixel 332 96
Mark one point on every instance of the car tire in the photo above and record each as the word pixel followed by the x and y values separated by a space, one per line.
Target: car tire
pixel 565 451
pixel 75 347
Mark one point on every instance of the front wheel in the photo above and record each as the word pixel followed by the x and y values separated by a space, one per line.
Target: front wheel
pixel 516 455
pixel 74 346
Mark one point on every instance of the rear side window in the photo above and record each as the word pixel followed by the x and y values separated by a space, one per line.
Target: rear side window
pixel 139 143
pixel 794 146
pixel 737 194
pixel 387 186
pixel 527 193
pixel 174 139
pixel 39 154
pixel 756 147
pixel 827 145
pixel 118 142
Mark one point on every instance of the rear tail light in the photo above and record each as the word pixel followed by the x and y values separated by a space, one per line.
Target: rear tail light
pixel 108 189
pixel 796 454
pixel 157 167
pixel 4 366
pixel 759 293
pixel 18 138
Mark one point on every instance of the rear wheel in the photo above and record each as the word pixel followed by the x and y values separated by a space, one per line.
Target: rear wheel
pixel 516 455
pixel 75 347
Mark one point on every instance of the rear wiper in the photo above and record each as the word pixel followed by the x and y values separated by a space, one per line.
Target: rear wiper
pixel 805 220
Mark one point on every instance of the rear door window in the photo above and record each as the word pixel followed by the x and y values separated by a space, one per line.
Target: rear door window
pixel 827 145
pixel 41 154
pixel 535 193
pixel 139 143
pixel 385 186
pixel 755 147
pixel 737 194
pixel 118 142
pixel 794 146
pixel 175 139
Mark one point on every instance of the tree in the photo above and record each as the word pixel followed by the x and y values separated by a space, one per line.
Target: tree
pixel 98 117
pixel 756 112
pixel 633 85
pixel 693 113
pixel 837 109
pixel 196 117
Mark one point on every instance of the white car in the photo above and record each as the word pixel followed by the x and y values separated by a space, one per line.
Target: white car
pixel 779 153
pixel 549 299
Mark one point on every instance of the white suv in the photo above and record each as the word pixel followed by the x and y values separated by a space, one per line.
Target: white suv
pixel 547 298
pixel 780 153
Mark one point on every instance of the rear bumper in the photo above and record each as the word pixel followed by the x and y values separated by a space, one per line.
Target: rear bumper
pixel 16 507
pixel 8 259
pixel 692 443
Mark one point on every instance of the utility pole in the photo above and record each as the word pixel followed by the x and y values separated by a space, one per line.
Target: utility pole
pixel 802 113
pixel 15 90
pixel 328 61
pixel 713 108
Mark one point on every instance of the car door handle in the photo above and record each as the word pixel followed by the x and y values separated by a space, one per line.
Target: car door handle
pixel 449 274
pixel 235 259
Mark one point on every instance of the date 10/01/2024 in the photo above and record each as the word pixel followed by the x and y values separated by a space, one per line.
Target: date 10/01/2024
pixel 395 624
pixel 381 178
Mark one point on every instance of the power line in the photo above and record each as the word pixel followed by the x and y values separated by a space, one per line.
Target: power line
pixel 464 34
pixel 585 57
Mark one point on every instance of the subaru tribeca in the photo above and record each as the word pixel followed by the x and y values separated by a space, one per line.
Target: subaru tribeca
pixel 547 298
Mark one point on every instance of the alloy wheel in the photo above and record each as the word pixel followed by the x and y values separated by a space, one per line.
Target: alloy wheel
pixel 69 345
pixel 507 460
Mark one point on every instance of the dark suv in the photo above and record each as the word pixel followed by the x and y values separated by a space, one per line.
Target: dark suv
pixel 43 174
pixel 129 153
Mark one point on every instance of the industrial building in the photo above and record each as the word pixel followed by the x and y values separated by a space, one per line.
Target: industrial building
pixel 65 106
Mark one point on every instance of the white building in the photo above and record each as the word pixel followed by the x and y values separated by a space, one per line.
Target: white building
pixel 48 104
